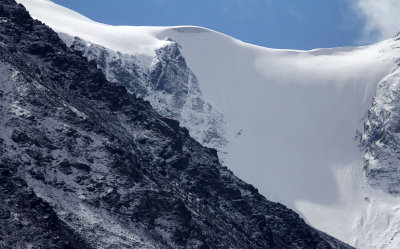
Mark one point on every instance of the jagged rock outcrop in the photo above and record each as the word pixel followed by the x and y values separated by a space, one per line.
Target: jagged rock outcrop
pixel 381 140
pixel 166 81
pixel 84 163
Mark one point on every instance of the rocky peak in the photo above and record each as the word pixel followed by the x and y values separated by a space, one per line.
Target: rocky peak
pixel 165 81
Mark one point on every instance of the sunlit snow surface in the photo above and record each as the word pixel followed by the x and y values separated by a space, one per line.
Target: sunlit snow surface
pixel 292 117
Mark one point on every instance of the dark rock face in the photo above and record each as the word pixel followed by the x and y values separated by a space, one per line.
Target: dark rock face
pixel 83 163
pixel 27 221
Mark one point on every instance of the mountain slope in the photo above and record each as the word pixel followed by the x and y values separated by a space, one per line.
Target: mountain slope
pixel 100 167
pixel 294 119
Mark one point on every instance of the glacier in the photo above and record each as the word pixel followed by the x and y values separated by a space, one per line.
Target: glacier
pixel 294 121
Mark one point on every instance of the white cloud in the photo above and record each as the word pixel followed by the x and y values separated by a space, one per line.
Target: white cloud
pixel 382 18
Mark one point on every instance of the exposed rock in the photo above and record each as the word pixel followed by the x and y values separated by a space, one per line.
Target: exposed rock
pixel 381 140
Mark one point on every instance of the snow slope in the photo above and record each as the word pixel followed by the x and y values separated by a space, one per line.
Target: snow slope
pixel 294 117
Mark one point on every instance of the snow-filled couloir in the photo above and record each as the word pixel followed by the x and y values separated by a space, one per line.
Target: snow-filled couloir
pixel 290 121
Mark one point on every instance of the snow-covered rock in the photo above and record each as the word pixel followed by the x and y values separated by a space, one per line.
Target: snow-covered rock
pixel 381 137
pixel 165 81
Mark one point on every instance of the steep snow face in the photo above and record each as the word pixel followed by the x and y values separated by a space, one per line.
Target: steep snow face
pixel 298 111
pixel 302 114
pixel 294 118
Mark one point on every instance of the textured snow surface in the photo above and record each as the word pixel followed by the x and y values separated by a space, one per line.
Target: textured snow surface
pixel 294 117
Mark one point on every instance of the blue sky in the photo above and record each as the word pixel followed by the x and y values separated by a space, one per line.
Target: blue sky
pixel 291 24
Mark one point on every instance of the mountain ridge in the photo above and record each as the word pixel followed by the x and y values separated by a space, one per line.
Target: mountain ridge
pixel 110 167
pixel 293 119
